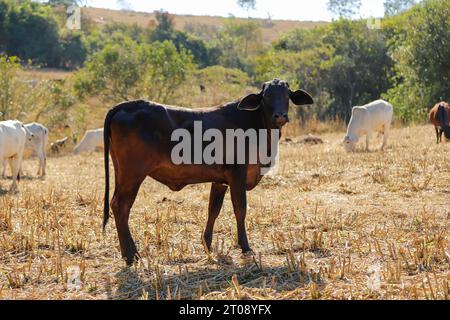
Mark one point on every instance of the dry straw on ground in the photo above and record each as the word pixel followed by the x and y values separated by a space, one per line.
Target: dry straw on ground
pixel 332 225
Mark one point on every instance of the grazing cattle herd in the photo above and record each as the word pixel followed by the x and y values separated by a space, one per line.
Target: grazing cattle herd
pixel 138 137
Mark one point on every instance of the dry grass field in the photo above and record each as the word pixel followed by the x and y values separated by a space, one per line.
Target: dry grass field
pixel 331 225
pixel 271 32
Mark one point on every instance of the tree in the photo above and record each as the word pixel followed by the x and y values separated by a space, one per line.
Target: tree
pixel 420 46
pixel 344 8
pixel 247 5
pixel 165 31
pixel 73 50
pixel 31 100
pixel 127 70
pixel 393 7
pixel 165 26
pixel 238 44
pixel 360 68
pixel 30 31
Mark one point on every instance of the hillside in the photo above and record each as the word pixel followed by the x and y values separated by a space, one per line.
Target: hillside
pixel 271 30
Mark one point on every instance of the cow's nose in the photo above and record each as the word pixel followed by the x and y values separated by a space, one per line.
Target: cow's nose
pixel 280 119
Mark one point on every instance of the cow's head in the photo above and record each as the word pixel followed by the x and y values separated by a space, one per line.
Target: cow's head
pixel 273 101
pixel 29 135
pixel 442 116
pixel 350 143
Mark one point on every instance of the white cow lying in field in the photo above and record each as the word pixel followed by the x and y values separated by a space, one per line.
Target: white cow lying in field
pixel 37 144
pixel 92 139
pixel 13 137
pixel 373 117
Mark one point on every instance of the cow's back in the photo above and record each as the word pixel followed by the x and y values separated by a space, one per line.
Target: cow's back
pixel 93 139
pixel 98 137
pixel 434 113
pixel 378 113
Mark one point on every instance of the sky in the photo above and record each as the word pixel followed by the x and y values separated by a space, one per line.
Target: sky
pixel 312 10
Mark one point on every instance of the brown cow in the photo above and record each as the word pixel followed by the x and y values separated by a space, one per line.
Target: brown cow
pixel 138 136
pixel 439 117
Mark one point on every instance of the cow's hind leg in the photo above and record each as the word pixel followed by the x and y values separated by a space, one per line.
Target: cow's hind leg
pixel 42 163
pixel 385 136
pixel 215 205
pixel 15 170
pixel 123 199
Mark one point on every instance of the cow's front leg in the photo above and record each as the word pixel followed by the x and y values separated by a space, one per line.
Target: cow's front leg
pixel 215 205
pixel 15 169
pixel 3 165
pixel 368 137
pixel 239 199
pixel 385 137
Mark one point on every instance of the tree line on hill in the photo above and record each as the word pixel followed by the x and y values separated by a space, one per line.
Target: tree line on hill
pixel 405 58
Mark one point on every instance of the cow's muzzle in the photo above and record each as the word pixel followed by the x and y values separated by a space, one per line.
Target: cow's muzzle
pixel 280 120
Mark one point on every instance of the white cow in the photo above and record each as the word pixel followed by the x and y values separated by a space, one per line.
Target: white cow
pixel 37 145
pixel 92 139
pixel 13 136
pixel 366 120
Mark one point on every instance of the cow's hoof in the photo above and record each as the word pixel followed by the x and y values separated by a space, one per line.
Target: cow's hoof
pixel 250 253
pixel 13 191
pixel 224 260
pixel 133 259
pixel 248 257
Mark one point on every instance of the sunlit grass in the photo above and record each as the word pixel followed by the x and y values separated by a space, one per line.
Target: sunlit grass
pixel 332 225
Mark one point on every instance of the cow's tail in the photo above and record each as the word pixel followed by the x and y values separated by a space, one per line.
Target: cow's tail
pixel 106 141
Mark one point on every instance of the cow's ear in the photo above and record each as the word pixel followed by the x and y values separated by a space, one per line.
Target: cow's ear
pixel 301 98
pixel 252 102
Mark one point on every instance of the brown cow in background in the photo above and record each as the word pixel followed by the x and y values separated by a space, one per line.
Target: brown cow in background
pixel 439 117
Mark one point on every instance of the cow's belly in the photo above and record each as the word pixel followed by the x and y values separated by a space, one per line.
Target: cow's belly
pixel 177 177
pixel 253 176
pixel 12 147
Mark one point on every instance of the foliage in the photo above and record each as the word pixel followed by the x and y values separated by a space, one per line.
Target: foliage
pixel 247 4
pixel 394 7
pixel 360 69
pixel 29 31
pixel 344 8
pixel 342 64
pixel 420 46
pixel 32 31
pixel 130 70
pixel 238 44
pixel 165 31
pixel 331 63
pixel 31 100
